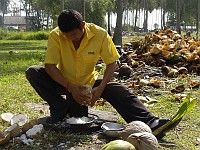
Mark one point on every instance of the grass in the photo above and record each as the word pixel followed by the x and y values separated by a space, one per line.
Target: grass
pixel 15 91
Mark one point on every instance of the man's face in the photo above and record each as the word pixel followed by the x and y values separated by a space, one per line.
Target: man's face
pixel 75 35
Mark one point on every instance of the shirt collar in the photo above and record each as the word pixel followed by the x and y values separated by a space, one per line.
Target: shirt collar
pixel 89 34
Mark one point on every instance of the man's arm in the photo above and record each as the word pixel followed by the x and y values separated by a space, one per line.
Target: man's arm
pixel 108 74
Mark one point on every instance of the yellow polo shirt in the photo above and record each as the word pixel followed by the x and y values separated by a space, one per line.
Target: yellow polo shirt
pixel 78 66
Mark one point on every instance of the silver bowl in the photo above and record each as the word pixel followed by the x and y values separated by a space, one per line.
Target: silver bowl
pixel 112 129
pixel 80 121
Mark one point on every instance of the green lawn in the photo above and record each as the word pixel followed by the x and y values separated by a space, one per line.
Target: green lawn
pixel 15 91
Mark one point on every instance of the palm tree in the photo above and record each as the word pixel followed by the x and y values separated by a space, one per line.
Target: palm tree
pixel 178 8
pixel 3 9
pixel 198 18
pixel 117 37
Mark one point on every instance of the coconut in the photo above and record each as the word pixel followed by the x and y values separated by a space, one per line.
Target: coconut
pixel 143 141
pixel 88 91
pixel 7 116
pixel 20 119
pixel 118 145
pixel 14 130
pixel 134 127
pixel 4 137
pixel 125 70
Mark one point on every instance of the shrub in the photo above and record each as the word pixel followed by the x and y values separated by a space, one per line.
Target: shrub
pixel 20 35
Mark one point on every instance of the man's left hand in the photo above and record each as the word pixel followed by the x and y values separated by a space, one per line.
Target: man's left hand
pixel 96 93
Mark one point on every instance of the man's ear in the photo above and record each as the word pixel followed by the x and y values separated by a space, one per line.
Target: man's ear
pixel 83 23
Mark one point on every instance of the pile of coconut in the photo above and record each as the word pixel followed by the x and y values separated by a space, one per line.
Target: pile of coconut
pixel 163 48
pixel 20 127
pixel 136 136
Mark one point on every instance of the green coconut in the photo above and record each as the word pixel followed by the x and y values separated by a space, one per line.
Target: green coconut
pixel 118 145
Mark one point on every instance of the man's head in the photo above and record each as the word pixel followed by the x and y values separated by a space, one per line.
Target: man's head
pixel 71 23
pixel 69 20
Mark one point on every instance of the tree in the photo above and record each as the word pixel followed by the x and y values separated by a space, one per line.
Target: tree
pixel 178 11
pixel 117 37
pixel 3 9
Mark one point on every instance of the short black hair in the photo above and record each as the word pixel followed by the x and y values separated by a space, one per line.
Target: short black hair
pixel 69 20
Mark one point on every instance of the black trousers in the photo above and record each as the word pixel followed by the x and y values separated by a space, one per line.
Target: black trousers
pixel 118 95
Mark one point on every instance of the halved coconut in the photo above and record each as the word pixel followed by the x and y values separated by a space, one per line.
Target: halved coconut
pixel 4 137
pixel 14 130
pixel 7 116
pixel 20 119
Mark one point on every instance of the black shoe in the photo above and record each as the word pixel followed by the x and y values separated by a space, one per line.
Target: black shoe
pixel 161 123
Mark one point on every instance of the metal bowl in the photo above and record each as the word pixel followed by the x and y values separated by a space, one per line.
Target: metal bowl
pixel 112 129
pixel 80 121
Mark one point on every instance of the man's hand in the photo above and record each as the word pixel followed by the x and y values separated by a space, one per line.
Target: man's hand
pixel 96 93
pixel 81 93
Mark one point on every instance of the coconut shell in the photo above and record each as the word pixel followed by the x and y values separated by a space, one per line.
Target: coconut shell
pixel 29 125
pixel 4 137
pixel 20 119
pixel 134 127
pixel 143 141
pixel 14 130
pixel 7 116
pixel 88 91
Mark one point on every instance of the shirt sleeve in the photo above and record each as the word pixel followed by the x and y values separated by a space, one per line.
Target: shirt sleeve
pixel 109 53
pixel 53 49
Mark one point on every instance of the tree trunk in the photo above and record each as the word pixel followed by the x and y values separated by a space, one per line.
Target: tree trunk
pixel 145 15
pixel 109 27
pixel 198 18
pixel 62 5
pixel 163 15
pixel 178 8
pixel 3 12
pixel 136 15
pixel 117 37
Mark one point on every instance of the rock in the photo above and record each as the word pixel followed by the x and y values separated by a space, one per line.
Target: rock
pixel 37 129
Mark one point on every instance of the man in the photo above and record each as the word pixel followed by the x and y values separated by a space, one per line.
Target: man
pixel 74 47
